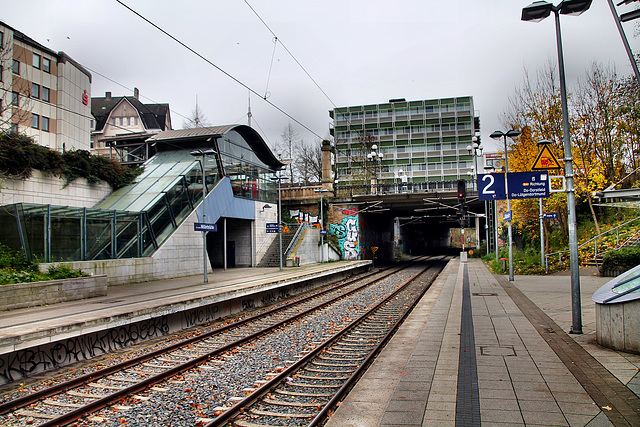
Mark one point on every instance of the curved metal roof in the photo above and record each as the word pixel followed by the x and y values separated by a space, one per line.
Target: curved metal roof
pixel 255 141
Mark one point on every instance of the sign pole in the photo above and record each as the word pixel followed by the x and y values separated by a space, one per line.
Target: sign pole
pixel 541 235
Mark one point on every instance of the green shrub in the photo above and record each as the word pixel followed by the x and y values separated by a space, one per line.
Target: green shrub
pixel 622 259
pixel 62 271
pixel 20 155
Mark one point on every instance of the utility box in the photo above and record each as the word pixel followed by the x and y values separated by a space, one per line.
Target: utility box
pixel 463 256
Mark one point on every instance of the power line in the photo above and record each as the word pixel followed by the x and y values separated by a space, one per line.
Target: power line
pixel 190 49
pixel 278 40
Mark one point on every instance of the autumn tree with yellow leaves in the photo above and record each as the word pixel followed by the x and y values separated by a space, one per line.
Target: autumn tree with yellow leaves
pixel 604 114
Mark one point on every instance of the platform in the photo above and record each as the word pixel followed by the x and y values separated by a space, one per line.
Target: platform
pixel 39 338
pixel 480 350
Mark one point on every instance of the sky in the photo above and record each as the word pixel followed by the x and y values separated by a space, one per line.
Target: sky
pixel 328 54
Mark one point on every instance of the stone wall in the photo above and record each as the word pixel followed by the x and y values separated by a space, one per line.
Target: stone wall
pixel 21 295
pixel 45 189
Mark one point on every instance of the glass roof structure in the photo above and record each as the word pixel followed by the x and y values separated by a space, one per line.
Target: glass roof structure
pixel 135 220
pixel 625 287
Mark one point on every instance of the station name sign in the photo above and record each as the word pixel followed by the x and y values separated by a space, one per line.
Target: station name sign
pixel 203 226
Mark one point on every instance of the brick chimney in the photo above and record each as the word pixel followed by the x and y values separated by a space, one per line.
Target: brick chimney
pixel 136 93
pixel 107 95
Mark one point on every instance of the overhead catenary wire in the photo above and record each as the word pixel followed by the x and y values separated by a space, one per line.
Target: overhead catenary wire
pixel 208 61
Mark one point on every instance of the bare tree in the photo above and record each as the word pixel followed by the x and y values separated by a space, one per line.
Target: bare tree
pixel 15 102
pixel 308 163
pixel 197 119
pixel 290 139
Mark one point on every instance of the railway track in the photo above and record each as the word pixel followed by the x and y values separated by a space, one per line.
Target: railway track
pixel 306 393
pixel 160 371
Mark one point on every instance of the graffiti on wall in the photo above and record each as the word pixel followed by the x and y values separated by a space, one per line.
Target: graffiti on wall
pixel 347 232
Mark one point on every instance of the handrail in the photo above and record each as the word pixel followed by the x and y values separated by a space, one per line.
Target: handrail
pixel 559 253
pixel 294 240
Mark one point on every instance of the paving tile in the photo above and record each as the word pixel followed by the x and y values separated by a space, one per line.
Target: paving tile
pixel 501 416
pixel 499 404
pixel 544 418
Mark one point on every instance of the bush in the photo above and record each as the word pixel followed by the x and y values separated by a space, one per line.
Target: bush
pixel 14 268
pixel 19 155
pixel 64 272
pixel 621 259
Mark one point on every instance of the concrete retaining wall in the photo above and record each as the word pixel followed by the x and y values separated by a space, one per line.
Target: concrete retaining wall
pixel 23 295
pixel 618 326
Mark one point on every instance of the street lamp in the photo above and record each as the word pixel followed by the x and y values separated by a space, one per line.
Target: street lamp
pixel 476 150
pixel 321 191
pixel 375 156
pixel 202 155
pixel 497 135
pixel 280 178
pixel 536 12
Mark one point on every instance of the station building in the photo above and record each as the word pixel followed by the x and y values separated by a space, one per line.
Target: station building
pixel 146 231
pixel 46 94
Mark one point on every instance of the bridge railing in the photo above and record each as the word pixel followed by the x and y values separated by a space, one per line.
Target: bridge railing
pixel 398 188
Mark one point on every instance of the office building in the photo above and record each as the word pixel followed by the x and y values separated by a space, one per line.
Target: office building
pixel 420 141
pixel 46 94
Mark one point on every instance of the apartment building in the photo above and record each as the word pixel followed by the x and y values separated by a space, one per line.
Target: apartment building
pixel 123 124
pixel 415 141
pixel 45 94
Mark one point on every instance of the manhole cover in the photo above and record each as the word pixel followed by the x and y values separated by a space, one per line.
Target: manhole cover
pixel 485 294
pixel 495 350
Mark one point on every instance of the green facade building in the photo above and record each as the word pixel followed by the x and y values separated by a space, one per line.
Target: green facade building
pixel 415 142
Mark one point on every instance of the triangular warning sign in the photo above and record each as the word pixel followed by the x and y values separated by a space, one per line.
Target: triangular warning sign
pixel 545 160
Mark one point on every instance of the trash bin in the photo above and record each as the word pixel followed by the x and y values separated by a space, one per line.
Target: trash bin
pixel 297 261
pixel 504 263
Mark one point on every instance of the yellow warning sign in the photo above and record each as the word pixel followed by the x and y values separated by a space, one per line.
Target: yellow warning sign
pixel 545 160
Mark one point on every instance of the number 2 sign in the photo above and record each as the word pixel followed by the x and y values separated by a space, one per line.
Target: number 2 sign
pixel 491 186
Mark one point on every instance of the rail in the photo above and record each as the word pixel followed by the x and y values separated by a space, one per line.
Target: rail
pixel 595 243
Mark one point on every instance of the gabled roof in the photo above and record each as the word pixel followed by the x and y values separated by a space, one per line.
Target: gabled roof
pixel 153 116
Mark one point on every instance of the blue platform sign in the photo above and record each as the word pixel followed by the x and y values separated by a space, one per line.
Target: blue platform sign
pixel 507 216
pixel 553 215
pixel 203 226
pixel 528 185
pixel 491 186
pixel 272 227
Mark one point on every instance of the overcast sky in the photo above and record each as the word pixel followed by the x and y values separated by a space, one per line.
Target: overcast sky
pixel 358 52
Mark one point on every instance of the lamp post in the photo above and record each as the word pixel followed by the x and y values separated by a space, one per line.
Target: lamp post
pixel 321 191
pixel 375 156
pixel 280 178
pixel 497 135
pixel 536 12
pixel 202 155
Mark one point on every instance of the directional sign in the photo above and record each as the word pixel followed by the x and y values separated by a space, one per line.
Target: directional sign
pixel 553 215
pixel 272 227
pixel 506 216
pixel 528 185
pixel 323 232
pixel 203 226
pixel 491 186
pixel 545 160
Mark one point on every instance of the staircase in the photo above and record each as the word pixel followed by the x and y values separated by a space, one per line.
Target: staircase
pixel 596 261
pixel 271 258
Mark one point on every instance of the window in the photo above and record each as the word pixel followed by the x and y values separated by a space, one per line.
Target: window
pixel 135 121
pixel 46 65
pixel 15 67
pixel 15 98
pixel 36 61
pixel 45 124
pixel 14 128
pixel 121 122
pixel 128 121
pixel 113 121
pixel 35 121
pixel 35 90
pixel 46 96
pixel 1 71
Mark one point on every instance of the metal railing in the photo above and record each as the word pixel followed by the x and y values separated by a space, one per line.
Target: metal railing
pixel 399 188
pixel 294 240
pixel 594 240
